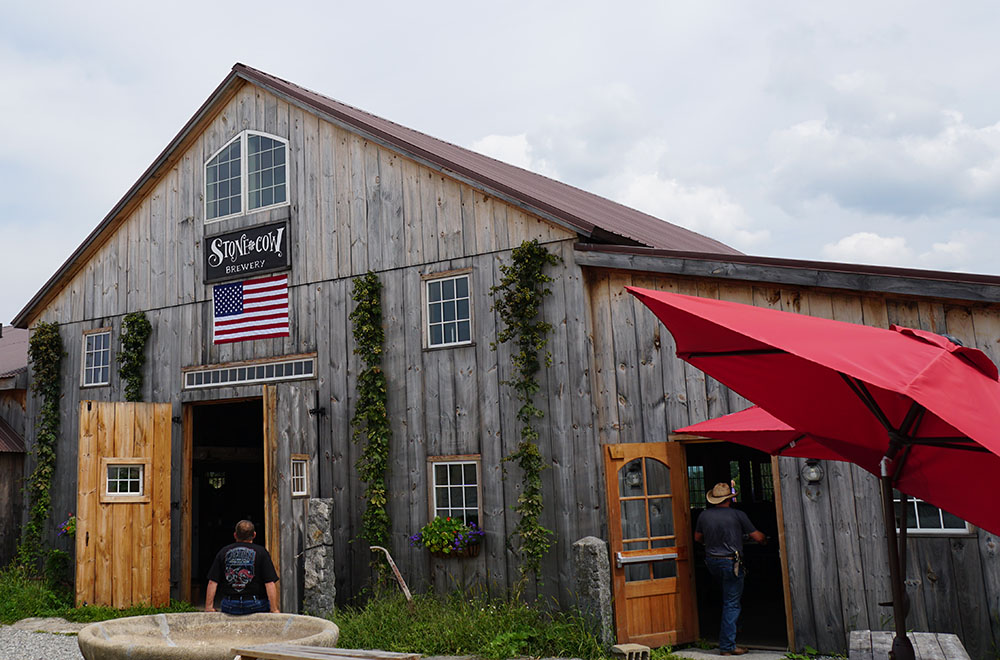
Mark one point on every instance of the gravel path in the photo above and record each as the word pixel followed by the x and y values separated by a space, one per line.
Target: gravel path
pixel 21 645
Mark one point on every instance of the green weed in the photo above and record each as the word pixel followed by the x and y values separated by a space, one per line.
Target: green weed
pixel 461 624
pixel 23 596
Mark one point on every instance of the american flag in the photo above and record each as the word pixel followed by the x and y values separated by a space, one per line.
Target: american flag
pixel 251 309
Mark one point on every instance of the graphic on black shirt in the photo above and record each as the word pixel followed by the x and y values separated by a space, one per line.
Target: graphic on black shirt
pixel 239 567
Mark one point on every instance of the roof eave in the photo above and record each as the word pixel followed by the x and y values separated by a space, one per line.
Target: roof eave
pixel 968 287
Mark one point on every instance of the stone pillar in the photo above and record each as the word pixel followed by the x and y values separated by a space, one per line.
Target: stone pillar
pixel 593 585
pixel 320 583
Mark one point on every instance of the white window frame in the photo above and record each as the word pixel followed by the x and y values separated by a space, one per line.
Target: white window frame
pixel 145 479
pixel 244 177
pixel 425 307
pixel 464 459
pixel 931 531
pixel 83 357
pixel 299 482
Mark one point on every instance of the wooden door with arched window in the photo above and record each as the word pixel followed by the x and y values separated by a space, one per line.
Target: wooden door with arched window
pixel 649 524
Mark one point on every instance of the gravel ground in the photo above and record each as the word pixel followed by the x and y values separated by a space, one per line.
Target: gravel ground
pixel 21 645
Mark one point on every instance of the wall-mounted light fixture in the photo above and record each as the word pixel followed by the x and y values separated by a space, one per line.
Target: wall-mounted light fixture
pixel 633 478
pixel 812 471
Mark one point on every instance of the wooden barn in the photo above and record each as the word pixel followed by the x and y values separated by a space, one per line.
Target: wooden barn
pixel 273 187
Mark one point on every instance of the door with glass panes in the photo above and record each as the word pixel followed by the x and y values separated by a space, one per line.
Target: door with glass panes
pixel 650 533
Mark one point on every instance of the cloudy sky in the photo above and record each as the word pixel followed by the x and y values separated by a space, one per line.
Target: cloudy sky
pixel 849 131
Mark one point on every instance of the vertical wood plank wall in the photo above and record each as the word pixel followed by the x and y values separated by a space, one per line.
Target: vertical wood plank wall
pixel 834 541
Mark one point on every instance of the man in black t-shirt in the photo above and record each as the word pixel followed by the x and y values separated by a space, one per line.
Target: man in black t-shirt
pixel 246 575
pixel 721 529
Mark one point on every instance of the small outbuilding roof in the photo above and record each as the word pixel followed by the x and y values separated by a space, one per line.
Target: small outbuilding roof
pixel 593 217
pixel 10 440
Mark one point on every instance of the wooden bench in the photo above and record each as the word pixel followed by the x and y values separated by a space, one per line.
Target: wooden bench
pixel 876 644
pixel 277 651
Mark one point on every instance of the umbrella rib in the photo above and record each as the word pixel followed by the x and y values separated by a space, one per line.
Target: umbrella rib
pixel 858 387
pixel 791 443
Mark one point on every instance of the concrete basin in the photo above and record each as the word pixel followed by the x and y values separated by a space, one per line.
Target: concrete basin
pixel 199 635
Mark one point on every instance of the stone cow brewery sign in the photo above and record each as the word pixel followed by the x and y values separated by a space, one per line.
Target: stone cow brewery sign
pixel 251 251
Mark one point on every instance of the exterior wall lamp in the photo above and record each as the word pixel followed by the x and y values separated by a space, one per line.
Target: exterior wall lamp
pixel 812 471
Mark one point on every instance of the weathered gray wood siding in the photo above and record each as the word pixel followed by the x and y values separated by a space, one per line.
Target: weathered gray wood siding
pixel 355 206
pixel 12 411
pixel 11 471
pixel 835 538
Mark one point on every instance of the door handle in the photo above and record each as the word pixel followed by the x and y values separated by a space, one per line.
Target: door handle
pixel 638 559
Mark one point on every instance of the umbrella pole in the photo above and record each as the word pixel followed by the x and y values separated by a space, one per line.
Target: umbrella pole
pixel 902 649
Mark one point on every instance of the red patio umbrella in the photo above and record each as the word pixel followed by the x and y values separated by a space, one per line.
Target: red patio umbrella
pixel 909 405
pixel 758 429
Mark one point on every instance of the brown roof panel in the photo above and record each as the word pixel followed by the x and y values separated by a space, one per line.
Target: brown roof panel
pixel 10 440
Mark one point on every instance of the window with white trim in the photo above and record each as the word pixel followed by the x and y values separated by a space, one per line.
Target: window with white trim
pixel 925 518
pixel 97 357
pixel 300 475
pixel 125 479
pixel 448 311
pixel 455 489
pixel 247 174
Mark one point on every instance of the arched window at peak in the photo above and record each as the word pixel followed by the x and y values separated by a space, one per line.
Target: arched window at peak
pixel 249 173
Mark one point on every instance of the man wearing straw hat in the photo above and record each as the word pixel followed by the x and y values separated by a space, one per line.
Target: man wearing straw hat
pixel 721 529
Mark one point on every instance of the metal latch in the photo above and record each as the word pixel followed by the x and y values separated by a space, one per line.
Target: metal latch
pixel 638 559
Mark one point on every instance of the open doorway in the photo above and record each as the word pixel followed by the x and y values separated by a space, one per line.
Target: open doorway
pixel 764 624
pixel 227 480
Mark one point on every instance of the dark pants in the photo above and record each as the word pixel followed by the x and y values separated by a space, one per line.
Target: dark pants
pixel 721 568
pixel 245 604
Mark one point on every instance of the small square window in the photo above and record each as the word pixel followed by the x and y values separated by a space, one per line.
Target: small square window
pixel 125 480
pixel 448 311
pixel 300 475
pixel 97 358
pixel 455 485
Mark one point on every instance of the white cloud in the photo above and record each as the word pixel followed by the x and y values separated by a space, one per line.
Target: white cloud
pixel 515 150
pixel 703 209
pixel 883 156
pixel 870 248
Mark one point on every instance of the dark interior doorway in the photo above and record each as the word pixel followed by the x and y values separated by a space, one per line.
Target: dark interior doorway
pixel 763 624
pixel 227 480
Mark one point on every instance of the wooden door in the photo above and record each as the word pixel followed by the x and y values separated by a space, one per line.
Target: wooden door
pixel 123 504
pixel 649 523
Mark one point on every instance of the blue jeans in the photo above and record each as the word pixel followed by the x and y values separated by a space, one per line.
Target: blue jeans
pixel 721 568
pixel 245 605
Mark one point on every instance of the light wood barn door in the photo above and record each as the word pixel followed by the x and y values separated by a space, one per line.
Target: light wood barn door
pixel 123 504
pixel 649 523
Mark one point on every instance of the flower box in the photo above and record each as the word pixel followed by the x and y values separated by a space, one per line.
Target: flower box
pixel 463 553
pixel 449 537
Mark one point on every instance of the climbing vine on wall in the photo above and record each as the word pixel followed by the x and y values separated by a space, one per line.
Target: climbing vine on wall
pixel 132 356
pixel 518 300
pixel 45 352
pixel 371 419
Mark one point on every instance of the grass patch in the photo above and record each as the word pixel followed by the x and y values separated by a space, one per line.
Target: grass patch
pixel 464 625
pixel 23 596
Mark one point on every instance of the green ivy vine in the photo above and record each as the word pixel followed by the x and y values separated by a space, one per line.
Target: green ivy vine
pixel 517 301
pixel 45 352
pixel 135 332
pixel 371 419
